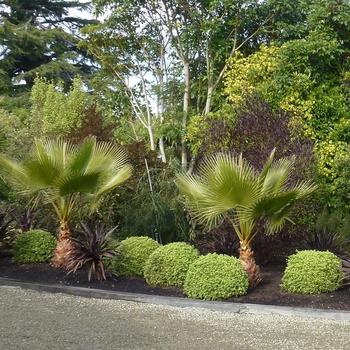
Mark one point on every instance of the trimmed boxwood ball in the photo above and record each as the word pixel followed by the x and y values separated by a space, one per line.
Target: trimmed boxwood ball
pixel 35 246
pixel 216 276
pixel 312 272
pixel 168 265
pixel 133 253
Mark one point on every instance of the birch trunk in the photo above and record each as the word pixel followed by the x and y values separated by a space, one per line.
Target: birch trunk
pixel 186 100
pixel 209 99
pixel 161 101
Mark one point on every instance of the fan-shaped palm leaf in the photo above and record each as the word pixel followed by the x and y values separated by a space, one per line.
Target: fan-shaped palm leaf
pixel 224 183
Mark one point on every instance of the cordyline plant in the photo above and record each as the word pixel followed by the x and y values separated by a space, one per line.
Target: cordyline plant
pixel 92 246
pixel 227 186
pixel 346 269
pixel 64 175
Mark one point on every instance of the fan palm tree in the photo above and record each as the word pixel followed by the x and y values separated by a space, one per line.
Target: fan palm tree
pixel 228 187
pixel 64 175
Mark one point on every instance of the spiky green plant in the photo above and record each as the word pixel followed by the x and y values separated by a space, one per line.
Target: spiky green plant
pixel 227 186
pixel 64 174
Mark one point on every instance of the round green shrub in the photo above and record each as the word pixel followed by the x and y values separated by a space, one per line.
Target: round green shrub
pixel 34 246
pixel 312 272
pixel 133 253
pixel 216 276
pixel 168 265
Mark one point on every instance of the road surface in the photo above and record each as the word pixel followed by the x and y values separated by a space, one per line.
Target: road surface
pixel 31 320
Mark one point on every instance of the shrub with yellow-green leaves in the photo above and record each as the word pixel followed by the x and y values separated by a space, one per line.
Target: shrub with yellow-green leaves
pixel 245 74
pixel 132 254
pixel 328 153
pixel 215 276
pixel 168 265
pixel 35 246
pixel 312 272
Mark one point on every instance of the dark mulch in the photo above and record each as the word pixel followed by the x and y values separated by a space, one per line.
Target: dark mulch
pixel 44 273
pixel 268 292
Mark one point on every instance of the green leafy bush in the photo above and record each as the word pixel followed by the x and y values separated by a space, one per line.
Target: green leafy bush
pixel 168 265
pixel 34 246
pixel 312 272
pixel 216 276
pixel 133 254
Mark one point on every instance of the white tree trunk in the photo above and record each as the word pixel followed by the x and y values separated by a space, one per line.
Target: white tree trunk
pixel 209 99
pixel 186 101
pixel 151 138
pixel 162 150
pixel 148 109
pixel 160 106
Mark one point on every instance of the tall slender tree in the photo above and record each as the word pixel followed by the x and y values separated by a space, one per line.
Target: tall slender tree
pixel 192 36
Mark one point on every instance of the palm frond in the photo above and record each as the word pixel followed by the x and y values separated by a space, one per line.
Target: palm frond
pixel 191 186
pixel 230 181
pixel 108 155
pixel 80 161
pixel 111 182
pixel 224 183
pixel 277 175
pixel 274 208
pixel 77 183
pixel 268 164
pixel 59 150
pixel 15 171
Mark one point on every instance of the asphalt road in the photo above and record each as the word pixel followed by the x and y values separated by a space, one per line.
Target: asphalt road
pixel 43 321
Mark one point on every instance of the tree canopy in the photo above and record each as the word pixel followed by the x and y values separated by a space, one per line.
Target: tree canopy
pixel 40 38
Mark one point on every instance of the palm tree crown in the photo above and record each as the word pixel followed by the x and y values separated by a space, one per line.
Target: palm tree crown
pixel 61 173
pixel 227 186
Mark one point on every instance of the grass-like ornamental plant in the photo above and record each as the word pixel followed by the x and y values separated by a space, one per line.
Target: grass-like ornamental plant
pixel 93 248
pixel 65 176
pixel 168 265
pixel 216 276
pixel 312 272
pixel 228 187
pixel 133 253
pixel 346 269
pixel 34 246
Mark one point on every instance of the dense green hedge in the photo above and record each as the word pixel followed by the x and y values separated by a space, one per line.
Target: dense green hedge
pixel 168 265
pixel 215 276
pixel 34 246
pixel 312 272
pixel 133 253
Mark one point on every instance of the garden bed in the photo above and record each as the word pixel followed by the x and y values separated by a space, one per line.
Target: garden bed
pixel 268 292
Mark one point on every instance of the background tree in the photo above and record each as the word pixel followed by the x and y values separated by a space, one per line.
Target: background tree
pixel 39 37
pixel 308 78
pixel 156 40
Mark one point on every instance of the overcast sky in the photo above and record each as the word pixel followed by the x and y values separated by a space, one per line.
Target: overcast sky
pixel 81 14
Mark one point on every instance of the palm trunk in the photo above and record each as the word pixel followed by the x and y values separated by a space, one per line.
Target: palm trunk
pixel 246 256
pixel 64 248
